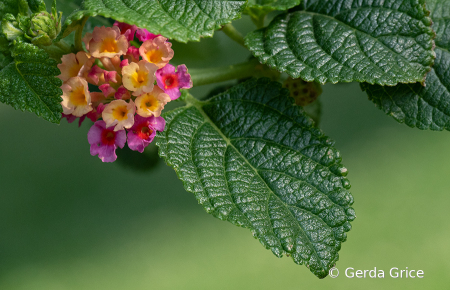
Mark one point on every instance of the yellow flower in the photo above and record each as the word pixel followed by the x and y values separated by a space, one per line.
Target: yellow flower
pixel 76 97
pixel 139 77
pixel 73 65
pixel 151 104
pixel 157 51
pixel 107 42
pixel 120 114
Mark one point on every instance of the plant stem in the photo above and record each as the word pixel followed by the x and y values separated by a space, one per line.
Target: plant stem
pixel 204 76
pixel 64 46
pixel 232 33
pixel 79 34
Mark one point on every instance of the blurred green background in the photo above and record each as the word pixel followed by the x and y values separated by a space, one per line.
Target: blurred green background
pixel 69 221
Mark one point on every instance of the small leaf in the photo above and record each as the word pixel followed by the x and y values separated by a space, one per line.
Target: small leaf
pixel 251 157
pixel 424 107
pixel 29 83
pixel 379 42
pixel 182 20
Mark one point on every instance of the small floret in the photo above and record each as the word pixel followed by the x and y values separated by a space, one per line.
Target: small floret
pixel 76 97
pixel 157 51
pixel 171 82
pixel 139 77
pixel 107 42
pixel 120 114
pixel 151 104
pixel 105 140
pixel 143 132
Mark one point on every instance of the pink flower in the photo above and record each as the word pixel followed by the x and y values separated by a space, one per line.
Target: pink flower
pixel 143 35
pixel 126 29
pixel 96 113
pixel 132 54
pixel 171 82
pixel 143 131
pixel 107 90
pixel 95 75
pixel 122 93
pixel 104 141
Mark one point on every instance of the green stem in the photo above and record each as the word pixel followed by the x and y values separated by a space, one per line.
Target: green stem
pixel 204 76
pixel 64 46
pixel 259 20
pixel 79 34
pixel 232 33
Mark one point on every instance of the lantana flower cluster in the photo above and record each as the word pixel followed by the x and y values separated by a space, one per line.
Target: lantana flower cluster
pixel 129 87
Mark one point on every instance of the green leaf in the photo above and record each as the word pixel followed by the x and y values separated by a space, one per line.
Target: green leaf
pixel 29 83
pixel 251 157
pixel 9 6
pixel 424 107
pixel 182 20
pixel 379 42
pixel 270 5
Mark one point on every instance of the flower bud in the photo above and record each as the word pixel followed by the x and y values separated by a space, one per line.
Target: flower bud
pixel 10 27
pixel 44 27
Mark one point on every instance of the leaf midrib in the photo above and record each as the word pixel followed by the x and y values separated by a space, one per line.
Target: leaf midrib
pixel 372 37
pixel 208 120
pixel 31 89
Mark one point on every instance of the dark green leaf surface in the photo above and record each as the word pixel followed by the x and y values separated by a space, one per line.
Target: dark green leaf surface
pixel 29 83
pixel 9 6
pixel 424 107
pixel 182 20
pixel 379 42
pixel 270 5
pixel 251 157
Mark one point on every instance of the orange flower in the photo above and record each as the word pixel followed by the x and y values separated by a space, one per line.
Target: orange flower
pixel 157 51
pixel 76 97
pixel 107 42
pixel 74 65
pixel 120 114
pixel 151 104
pixel 139 77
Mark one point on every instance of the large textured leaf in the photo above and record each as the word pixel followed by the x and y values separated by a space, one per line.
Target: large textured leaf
pixel 29 83
pixel 379 42
pixel 424 107
pixel 253 158
pixel 183 20
pixel 270 5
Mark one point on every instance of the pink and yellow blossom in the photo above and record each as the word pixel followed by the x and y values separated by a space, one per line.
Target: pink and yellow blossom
pixel 73 65
pixel 120 114
pixel 151 104
pixel 107 42
pixel 171 82
pixel 139 77
pixel 76 97
pixel 104 140
pixel 143 132
pixel 157 51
